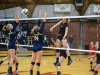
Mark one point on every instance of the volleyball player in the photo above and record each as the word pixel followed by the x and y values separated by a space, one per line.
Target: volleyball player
pixel 92 47
pixel 38 43
pixel 12 41
pixel 96 65
pixel 61 40
pixel 61 58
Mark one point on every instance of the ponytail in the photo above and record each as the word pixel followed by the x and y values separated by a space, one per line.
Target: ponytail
pixel 4 28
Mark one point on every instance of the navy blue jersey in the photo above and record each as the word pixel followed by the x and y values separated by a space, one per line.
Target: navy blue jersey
pixel 63 28
pixel 12 32
pixel 12 35
pixel 38 38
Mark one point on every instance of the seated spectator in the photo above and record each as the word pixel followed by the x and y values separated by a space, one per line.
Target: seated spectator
pixel 45 41
pixel 3 40
pixel 18 29
pixel 19 37
pixel 29 40
pixel 23 38
pixel 24 42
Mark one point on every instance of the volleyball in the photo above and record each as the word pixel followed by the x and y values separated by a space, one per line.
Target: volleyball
pixel 25 12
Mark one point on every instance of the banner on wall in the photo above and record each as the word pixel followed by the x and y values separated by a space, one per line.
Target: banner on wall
pixel 62 7
pixel 96 8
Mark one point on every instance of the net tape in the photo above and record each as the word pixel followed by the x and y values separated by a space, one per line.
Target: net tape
pixel 89 16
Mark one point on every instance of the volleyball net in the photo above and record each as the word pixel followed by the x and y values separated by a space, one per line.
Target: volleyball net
pixel 83 30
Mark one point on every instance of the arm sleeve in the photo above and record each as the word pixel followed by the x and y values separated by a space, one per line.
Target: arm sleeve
pixel 14 26
pixel 42 27
pixel 39 21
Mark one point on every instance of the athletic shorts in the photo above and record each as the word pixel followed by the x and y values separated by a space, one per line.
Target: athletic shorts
pixel 98 62
pixel 60 37
pixel 63 53
pixel 11 45
pixel 37 47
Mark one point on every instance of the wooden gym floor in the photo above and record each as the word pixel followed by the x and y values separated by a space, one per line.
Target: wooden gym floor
pixel 80 66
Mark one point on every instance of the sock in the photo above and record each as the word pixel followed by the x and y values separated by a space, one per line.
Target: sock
pixel 69 58
pixel 1 62
pixel 17 66
pixel 31 71
pixel 10 70
pixel 96 73
pixel 38 72
pixel 91 63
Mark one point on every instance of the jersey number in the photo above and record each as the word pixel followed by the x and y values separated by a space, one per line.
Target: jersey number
pixel 36 38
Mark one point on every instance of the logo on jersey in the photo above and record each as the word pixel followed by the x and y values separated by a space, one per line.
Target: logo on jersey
pixel 11 32
pixel 36 38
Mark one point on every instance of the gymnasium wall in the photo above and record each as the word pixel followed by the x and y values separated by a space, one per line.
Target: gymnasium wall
pixel 89 32
pixel 8 13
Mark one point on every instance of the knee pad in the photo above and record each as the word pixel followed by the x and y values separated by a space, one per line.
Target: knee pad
pixel 96 72
pixel 91 62
pixel 58 64
pixel 38 64
pixel 17 63
pixel 32 63
pixel 57 50
pixel 55 64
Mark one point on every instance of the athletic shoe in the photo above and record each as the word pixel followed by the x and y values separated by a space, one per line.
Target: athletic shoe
pixel 7 72
pixel 69 62
pixel 30 74
pixel 16 72
pixel 1 62
pixel 59 73
pixel 38 73
pixel 90 70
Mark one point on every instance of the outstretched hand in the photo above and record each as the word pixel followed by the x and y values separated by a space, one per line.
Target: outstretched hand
pixel 16 17
pixel 46 14
pixel 40 14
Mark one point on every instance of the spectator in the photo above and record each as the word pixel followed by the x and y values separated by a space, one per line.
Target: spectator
pixel 29 40
pixel 45 41
pixel 24 42
pixel 23 38
pixel 18 29
pixel 70 41
pixel 19 37
pixel 3 40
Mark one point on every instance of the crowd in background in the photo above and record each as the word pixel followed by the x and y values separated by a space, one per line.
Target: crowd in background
pixel 22 37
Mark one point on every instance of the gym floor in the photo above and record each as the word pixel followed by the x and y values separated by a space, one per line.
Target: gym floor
pixel 80 66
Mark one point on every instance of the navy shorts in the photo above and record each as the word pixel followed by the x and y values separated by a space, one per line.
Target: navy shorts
pixel 60 37
pixel 63 53
pixel 11 45
pixel 37 47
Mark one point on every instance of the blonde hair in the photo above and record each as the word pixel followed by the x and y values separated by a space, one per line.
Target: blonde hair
pixel 8 25
pixel 35 29
pixel 68 20
pixel 4 28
